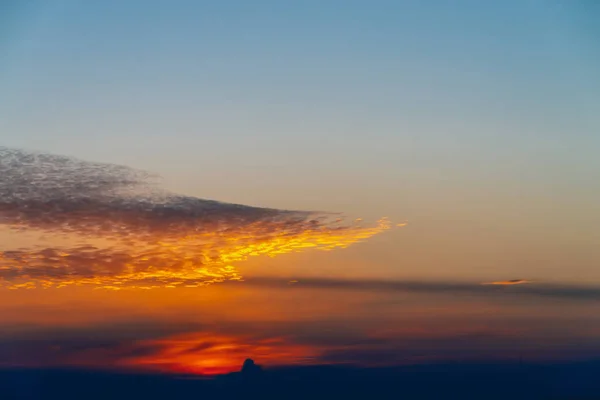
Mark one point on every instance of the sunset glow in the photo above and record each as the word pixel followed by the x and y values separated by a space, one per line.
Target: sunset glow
pixel 508 283
pixel 207 354
pixel 299 199
pixel 71 222
pixel 192 260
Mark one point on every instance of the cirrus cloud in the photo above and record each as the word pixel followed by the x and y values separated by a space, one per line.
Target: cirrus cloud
pixel 113 226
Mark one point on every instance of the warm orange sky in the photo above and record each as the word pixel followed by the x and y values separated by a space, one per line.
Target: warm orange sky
pixel 126 275
pixel 212 329
pixel 150 154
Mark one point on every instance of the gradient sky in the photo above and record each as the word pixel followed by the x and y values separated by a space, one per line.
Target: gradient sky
pixel 475 121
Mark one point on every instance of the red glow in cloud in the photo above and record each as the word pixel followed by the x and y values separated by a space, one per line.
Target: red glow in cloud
pixel 209 354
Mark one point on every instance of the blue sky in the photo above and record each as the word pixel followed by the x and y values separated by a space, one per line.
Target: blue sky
pixel 460 116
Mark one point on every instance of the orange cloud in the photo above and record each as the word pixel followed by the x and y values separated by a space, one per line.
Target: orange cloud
pixel 109 226
pixel 210 354
pixel 510 282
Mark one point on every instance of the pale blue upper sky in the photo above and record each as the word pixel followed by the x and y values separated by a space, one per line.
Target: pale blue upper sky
pixel 481 115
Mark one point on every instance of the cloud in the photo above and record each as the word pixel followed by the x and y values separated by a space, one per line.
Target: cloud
pixel 113 226
pixel 198 352
pixel 507 283
pixel 576 292
pixel 209 353
pixel 221 349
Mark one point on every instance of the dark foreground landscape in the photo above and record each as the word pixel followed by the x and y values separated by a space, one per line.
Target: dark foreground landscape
pixel 458 381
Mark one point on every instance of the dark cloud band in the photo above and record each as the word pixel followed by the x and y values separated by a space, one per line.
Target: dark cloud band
pixel 431 287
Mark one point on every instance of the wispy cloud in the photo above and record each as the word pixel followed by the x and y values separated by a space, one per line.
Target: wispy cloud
pixel 113 227
pixel 211 350
pixel 508 283
pixel 582 292
pixel 208 353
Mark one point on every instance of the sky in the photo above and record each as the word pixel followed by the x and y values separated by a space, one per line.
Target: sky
pixel 473 123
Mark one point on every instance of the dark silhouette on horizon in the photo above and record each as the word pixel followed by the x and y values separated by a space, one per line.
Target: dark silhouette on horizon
pixel 250 369
pixel 489 381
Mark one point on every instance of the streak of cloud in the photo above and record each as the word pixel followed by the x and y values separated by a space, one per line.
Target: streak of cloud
pixel 508 283
pixel 575 292
pixel 209 351
pixel 207 354
pixel 113 227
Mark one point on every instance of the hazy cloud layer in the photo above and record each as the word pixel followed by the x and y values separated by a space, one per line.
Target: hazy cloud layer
pixel 514 287
pixel 212 349
pixel 113 226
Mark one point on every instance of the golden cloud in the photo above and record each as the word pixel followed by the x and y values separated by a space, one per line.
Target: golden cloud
pixel 113 227
pixel 508 283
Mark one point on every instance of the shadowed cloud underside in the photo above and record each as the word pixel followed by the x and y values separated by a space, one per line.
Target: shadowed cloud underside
pixel 112 227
